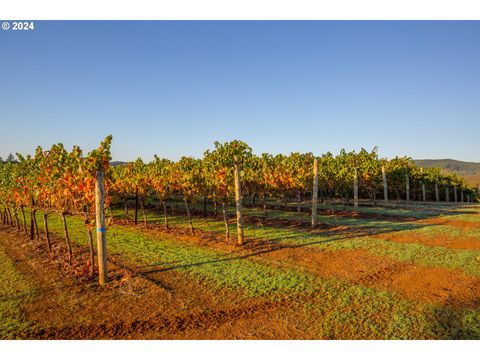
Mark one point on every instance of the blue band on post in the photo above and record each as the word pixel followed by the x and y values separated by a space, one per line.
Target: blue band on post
pixel 101 229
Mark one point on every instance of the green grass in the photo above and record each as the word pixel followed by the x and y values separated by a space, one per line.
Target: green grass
pixel 334 220
pixel 414 209
pixel 15 290
pixel 470 213
pixel 218 268
pixel 446 323
pixel 259 231
pixel 416 253
pixel 452 232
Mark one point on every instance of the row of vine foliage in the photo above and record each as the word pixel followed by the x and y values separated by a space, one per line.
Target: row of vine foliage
pixel 53 181
pixel 61 181
pixel 285 177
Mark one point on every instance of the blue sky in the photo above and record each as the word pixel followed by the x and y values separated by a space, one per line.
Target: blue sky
pixel 172 88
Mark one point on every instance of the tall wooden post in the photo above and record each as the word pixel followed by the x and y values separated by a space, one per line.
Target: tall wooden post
pixel 136 205
pixel 407 186
pixel 32 224
pixel 355 190
pixel 437 195
pixel 315 193
pixel 461 195
pixel 424 193
pixel 238 203
pixel 455 193
pixel 385 186
pixel 101 230
pixel 447 194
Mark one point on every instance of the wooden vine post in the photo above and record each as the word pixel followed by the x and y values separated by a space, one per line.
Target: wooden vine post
pixel 455 193
pixel 32 220
pixel 447 194
pixel 385 188
pixel 407 185
pixel 437 194
pixel 136 205
pixel 101 229
pixel 238 202
pixel 315 193
pixel 424 193
pixel 355 190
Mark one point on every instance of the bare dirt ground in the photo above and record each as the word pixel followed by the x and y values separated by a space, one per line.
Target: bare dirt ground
pixel 432 285
pixel 166 305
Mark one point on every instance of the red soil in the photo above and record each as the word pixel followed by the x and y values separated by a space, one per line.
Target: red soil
pixel 432 285
pixel 164 305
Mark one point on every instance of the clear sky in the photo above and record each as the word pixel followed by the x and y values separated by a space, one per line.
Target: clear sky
pixel 172 88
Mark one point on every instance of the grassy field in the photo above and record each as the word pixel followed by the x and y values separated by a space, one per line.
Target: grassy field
pixel 15 290
pixel 354 278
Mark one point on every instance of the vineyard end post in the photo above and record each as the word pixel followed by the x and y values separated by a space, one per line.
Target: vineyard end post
pixel 101 227
pixel 355 190
pixel 315 193
pixel 385 186
pixel 238 202
pixel 407 185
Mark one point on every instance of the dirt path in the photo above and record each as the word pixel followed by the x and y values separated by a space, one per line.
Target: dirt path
pixel 166 305
pixel 419 283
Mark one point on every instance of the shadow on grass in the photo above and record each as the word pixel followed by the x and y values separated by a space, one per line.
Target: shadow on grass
pixel 325 223
pixel 265 238
pixel 300 233
pixel 451 324
pixel 257 248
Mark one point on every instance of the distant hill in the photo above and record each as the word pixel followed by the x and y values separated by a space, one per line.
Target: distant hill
pixel 469 170
pixel 459 167
pixel 116 163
